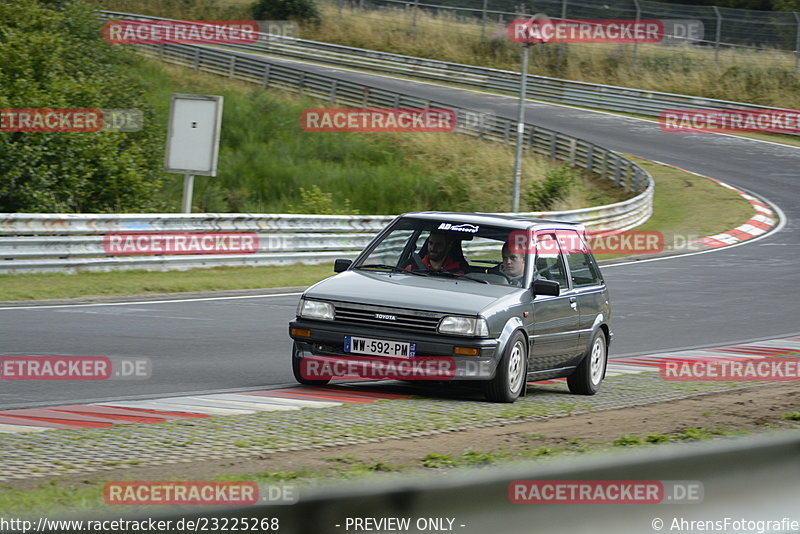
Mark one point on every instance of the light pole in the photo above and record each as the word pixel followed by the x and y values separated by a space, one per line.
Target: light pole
pixel 523 82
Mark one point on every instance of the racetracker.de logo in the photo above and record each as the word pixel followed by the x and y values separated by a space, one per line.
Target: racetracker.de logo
pixel 378 120
pixel 785 121
pixel 585 31
pixel 187 493
pixel 181 32
pixel 70 120
pixel 74 368
pixel 606 492
pixel 136 244
pixel 355 368
pixel 749 369
pixel 569 242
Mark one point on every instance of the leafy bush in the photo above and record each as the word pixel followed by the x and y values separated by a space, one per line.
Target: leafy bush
pixel 555 186
pixel 296 10
pixel 52 56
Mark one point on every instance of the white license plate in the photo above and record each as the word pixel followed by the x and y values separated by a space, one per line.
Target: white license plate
pixel 379 347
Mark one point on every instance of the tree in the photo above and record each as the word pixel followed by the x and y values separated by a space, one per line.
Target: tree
pixel 52 56
pixel 296 10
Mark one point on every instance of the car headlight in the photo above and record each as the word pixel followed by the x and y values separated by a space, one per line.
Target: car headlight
pixel 315 309
pixel 464 326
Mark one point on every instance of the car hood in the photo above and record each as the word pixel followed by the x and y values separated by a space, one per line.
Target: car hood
pixel 398 290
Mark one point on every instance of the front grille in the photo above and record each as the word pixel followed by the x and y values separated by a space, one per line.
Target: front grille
pixel 418 321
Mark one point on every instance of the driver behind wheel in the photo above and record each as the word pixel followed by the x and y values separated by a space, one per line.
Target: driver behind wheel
pixel 443 253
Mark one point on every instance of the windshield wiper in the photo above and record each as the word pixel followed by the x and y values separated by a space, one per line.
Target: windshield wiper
pixel 391 268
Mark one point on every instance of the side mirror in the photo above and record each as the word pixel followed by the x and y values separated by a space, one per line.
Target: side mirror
pixel 341 265
pixel 546 287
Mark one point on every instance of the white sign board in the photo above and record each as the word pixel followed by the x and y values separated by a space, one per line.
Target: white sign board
pixel 193 134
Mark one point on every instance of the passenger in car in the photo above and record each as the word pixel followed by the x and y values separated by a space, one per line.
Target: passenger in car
pixel 512 267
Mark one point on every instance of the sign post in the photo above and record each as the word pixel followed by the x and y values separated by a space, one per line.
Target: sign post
pixel 193 139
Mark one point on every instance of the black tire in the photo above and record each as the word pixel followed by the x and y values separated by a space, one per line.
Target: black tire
pixel 298 375
pixel 589 375
pixel 509 380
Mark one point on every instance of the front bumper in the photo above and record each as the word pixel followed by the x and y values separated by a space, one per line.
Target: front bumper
pixel 434 352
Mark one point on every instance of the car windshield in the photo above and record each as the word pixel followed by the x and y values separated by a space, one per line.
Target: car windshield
pixel 447 249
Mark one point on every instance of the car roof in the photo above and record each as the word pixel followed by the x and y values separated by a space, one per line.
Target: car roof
pixel 508 220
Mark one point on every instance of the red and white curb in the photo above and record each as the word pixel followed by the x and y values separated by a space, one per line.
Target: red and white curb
pixel 788 346
pixel 106 414
pixel 759 224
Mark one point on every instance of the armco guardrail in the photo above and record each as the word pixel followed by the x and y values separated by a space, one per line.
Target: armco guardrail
pixel 748 480
pixel 66 243
pixel 608 97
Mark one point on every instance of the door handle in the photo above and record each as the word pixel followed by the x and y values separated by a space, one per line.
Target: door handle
pixel 573 303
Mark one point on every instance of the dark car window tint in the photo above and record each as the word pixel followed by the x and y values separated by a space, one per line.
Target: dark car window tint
pixel 550 262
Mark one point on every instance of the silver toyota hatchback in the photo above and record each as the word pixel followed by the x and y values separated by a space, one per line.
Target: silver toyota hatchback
pixel 460 296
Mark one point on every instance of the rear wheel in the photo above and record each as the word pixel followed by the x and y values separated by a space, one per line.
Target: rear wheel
pixel 509 379
pixel 297 370
pixel 587 377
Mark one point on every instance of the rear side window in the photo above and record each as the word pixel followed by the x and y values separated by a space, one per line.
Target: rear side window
pixel 550 261
pixel 583 270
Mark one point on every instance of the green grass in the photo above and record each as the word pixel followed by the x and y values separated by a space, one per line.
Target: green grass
pixel 41 286
pixel 268 164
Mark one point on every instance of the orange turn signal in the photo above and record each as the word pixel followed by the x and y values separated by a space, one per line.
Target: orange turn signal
pixel 466 351
pixel 301 332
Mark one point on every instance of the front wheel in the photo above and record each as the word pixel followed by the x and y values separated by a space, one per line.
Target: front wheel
pixel 298 375
pixel 509 379
pixel 587 377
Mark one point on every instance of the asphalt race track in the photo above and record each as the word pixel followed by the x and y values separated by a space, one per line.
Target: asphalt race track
pixel 732 295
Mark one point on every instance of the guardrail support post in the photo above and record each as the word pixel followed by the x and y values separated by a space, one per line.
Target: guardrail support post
pixel 618 172
pixel 506 132
pixel 553 145
pixel 589 158
pixel 232 67
pixel 197 59
pixel 573 148
pixel 332 98
pixel 265 83
pixel 300 83
pixel 366 96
